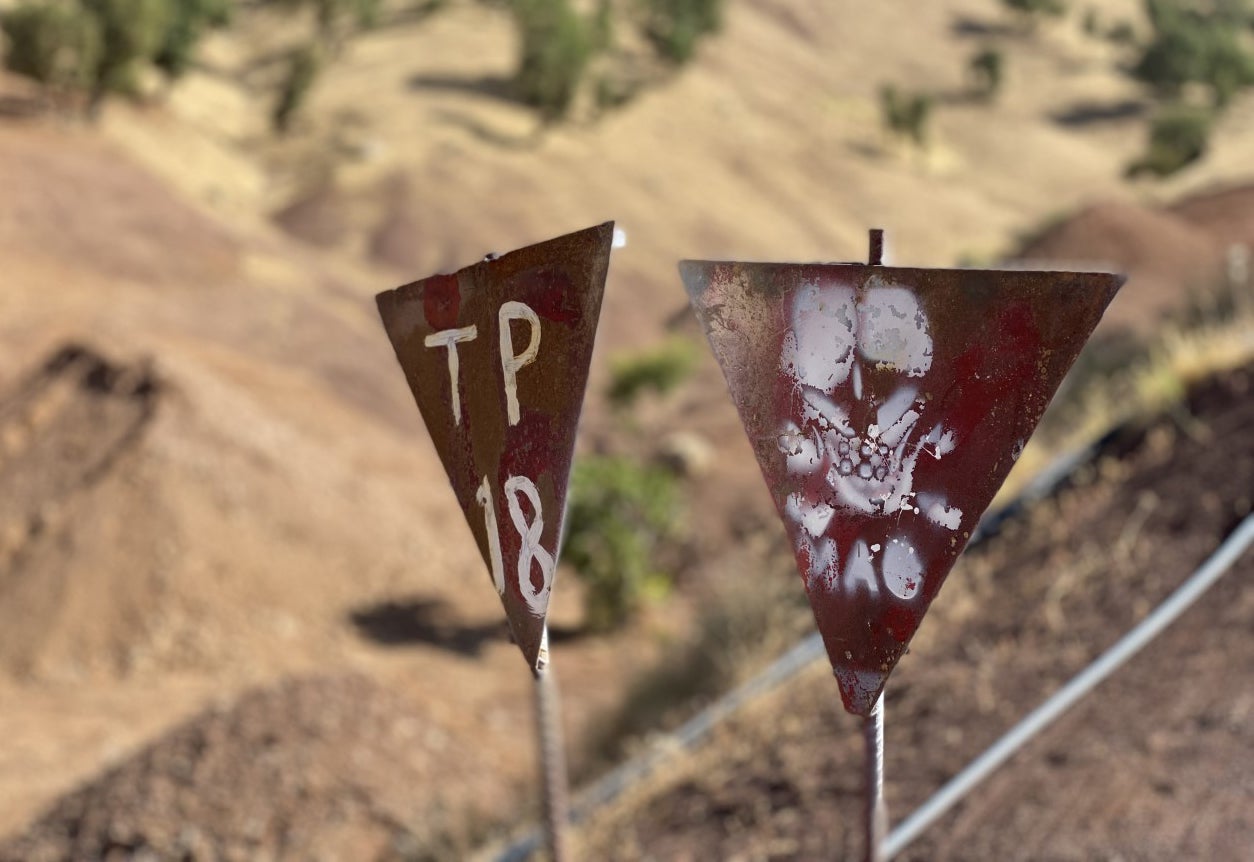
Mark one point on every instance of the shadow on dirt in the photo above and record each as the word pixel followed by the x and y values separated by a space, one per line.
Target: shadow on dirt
pixel 407 622
pixel 1088 113
pixel 416 621
pixel 493 86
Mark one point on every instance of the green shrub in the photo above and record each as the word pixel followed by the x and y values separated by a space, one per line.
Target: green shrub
pixel 1178 137
pixel 1052 8
pixel 555 47
pixel 132 31
pixel 1092 22
pixel 621 515
pixel 189 21
pixel 659 370
pixel 56 44
pixel 905 114
pixel 1122 33
pixel 676 26
pixel 336 19
pixel 1196 44
pixel 302 68
pixel 986 68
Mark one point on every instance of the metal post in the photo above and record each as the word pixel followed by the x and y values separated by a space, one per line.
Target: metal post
pixel 552 756
pixel 876 255
pixel 876 814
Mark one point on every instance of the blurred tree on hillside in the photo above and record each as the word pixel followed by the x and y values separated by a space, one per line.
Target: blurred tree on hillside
pixel 1052 8
pixel 1178 137
pixel 336 19
pixel 302 67
pixel 676 26
pixel 621 516
pixel 658 370
pixel 986 68
pixel 1196 42
pixel 564 52
pixel 98 47
pixel 556 43
pixel 189 21
pixel 52 43
pixel 905 114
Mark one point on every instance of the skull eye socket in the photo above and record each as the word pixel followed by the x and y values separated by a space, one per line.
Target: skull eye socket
pixel 893 332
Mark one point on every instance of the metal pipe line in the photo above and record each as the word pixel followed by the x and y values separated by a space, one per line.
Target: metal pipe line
pixel 1080 685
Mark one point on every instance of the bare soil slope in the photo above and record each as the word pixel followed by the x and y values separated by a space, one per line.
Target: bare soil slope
pixel 315 768
pixel 212 475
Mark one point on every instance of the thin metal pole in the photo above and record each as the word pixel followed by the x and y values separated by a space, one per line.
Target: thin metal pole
pixel 1081 684
pixel 875 256
pixel 876 813
pixel 552 756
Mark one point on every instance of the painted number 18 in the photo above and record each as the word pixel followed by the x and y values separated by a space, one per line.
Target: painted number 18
pixel 530 551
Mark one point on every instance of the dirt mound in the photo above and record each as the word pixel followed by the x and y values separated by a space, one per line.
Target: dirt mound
pixel 319 217
pixel 1155 764
pixel 1164 256
pixel 68 429
pixel 1226 215
pixel 316 768
pixel 402 228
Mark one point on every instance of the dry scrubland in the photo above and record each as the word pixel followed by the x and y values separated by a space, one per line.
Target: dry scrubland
pixel 214 479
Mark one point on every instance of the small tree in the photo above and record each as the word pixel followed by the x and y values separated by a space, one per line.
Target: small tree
pixel 189 21
pixel 676 26
pixel 302 68
pixel 56 44
pixel 905 114
pixel 1195 44
pixel 659 370
pixel 335 18
pixel 555 46
pixel 1178 137
pixel 1051 8
pixel 986 69
pixel 621 515
pixel 131 31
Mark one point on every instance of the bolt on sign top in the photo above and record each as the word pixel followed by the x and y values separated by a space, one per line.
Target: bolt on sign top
pixel 497 357
pixel 885 407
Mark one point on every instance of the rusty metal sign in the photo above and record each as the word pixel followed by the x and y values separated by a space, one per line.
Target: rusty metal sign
pixel 885 407
pixel 497 357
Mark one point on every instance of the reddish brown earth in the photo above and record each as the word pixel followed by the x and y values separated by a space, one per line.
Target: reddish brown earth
pixel 1161 252
pixel 315 768
pixel 1158 763
pixel 1225 213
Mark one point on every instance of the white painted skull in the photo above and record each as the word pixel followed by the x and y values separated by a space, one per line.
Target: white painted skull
pixel 834 340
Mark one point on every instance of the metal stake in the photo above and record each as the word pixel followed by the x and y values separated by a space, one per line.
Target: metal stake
pixel 552 756
pixel 876 813
pixel 876 255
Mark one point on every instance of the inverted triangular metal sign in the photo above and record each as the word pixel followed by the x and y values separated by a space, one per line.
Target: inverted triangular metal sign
pixel 497 357
pixel 886 407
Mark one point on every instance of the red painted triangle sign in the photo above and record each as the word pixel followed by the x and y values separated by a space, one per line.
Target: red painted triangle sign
pixel 886 407
pixel 497 357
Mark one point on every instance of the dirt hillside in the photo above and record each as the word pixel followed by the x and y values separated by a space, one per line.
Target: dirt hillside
pixel 211 474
